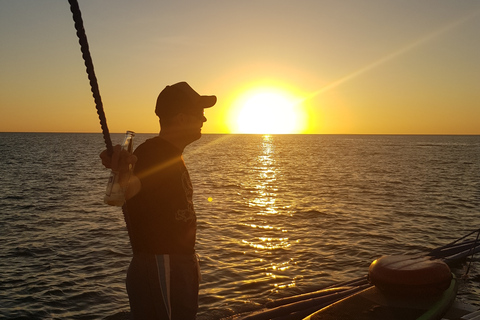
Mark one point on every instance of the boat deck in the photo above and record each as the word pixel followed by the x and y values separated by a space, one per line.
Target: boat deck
pixel 461 311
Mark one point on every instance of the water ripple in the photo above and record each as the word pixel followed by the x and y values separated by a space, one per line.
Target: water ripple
pixel 279 215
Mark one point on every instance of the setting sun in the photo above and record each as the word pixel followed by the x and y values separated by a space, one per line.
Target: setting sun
pixel 269 111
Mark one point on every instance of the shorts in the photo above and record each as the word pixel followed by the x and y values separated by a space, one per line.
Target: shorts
pixel 163 286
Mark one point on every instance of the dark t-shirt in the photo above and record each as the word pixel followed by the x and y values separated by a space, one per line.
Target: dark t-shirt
pixel 161 218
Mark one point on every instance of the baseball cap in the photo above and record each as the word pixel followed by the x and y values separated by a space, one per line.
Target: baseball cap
pixel 181 98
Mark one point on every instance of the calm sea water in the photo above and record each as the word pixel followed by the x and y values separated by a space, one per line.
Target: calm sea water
pixel 287 214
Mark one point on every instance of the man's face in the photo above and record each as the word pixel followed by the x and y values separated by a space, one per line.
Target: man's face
pixel 192 124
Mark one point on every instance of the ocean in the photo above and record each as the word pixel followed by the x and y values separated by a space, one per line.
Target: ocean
pixel 277 215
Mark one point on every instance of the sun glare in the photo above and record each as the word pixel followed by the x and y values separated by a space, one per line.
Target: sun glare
pixel 269 112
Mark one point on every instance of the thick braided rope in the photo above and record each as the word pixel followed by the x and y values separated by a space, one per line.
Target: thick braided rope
pixel 82 39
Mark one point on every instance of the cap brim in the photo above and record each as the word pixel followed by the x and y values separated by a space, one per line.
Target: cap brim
pixel 207 101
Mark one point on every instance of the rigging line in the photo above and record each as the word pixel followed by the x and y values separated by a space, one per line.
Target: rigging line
pixel 82 39
pixel 471 251
pixel 467 235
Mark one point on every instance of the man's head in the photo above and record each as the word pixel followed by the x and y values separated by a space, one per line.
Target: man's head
pixel 180 109
pixel 181 98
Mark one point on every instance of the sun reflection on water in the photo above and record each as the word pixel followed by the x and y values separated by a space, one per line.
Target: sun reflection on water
pixel 266 227
pixel 265 187
pixel 269 244
pixel 268 233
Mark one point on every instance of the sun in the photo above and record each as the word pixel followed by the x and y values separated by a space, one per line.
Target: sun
pixel 269 111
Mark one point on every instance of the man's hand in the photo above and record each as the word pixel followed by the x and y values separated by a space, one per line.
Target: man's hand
pixel 120 161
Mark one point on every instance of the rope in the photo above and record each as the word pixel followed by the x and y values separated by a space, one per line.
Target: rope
pixel 82 39
pixel 467 235
pixel 471 251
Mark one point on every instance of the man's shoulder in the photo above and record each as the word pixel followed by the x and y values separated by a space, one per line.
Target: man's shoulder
pixel 151 145
pixel 155 150
pixel 155 159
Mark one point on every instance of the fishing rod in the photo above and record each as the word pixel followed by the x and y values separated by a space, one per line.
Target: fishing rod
pixel 82 39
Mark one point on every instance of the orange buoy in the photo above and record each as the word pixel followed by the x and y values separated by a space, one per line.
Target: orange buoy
pixel 412 275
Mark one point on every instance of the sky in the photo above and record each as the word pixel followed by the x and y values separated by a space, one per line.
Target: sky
pixel 281 66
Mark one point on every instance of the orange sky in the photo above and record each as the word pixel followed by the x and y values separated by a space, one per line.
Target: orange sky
pixel 370 67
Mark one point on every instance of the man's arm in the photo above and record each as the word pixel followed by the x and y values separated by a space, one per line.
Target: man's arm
pixel 122 161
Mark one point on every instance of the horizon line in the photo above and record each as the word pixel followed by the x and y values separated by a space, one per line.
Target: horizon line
pixel 263 134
